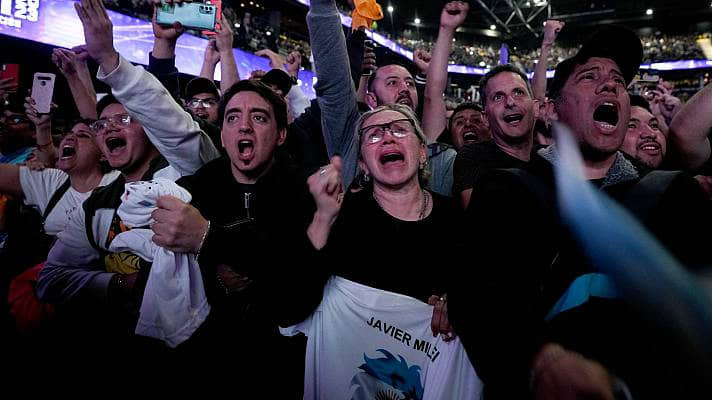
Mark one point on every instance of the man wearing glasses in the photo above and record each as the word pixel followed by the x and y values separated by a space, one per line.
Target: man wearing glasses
pixel 201 99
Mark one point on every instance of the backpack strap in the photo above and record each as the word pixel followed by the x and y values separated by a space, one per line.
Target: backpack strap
pixel 56 196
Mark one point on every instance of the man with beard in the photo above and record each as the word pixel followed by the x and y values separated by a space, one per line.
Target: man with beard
pixel 144 134
pixel 336 94
pixel 645 140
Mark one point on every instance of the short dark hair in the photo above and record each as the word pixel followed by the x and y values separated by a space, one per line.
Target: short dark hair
pixel 496 71
pixel 105 101
pixel 279 105
pixel 468 105
pixel 372 77
pixel 639 101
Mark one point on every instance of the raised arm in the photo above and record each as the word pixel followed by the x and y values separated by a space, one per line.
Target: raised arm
pixel 335 89
pixel 169 127
pixel 162 59
pixel 690 128
pixel 73 65
pixel 46 151
pixel 434 121
pixel 551 30
pixel 211 58
pixel 228 67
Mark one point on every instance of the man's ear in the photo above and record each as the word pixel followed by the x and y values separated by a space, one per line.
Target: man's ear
pixel 282 136
pixel 550 110
pixel 371 100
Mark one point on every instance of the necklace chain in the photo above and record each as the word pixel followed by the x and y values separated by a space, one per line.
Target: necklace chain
pixel 423 208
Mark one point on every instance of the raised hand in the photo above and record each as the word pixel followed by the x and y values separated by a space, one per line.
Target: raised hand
pixel 167 32
pixel 421 58
pixel 551 31
pixel 39 120
pixel 98 33
pixel 223 37
pixel 212 55
pixel 294 61
pixel 275 60
pixel 454 14
pixel 68 62
pixel 326 188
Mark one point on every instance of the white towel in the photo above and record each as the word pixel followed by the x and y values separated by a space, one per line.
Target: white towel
pixel 174 302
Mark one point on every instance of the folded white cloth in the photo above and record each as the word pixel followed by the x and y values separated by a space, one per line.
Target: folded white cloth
pixel 174 302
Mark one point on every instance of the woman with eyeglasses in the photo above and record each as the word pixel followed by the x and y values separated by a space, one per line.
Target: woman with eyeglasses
pixel 389 240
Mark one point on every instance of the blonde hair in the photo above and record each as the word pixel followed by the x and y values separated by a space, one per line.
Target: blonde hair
pixel 424 170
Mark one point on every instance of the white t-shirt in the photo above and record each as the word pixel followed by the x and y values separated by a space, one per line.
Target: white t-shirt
pixel 39 186
pixel 366 343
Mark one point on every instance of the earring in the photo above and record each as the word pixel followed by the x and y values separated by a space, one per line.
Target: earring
pixel 366 177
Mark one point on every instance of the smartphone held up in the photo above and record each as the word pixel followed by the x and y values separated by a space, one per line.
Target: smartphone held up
pixel 42 90
pixel 194 15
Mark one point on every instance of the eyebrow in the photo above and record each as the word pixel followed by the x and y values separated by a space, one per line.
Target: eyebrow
pixel 251 110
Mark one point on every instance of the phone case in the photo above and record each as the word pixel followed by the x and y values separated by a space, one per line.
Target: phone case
pixel 190 15
pixel 218 13
pixel 42 89
pixel 10 71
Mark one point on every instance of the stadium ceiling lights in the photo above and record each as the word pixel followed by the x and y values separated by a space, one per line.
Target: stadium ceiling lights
pixel 504 12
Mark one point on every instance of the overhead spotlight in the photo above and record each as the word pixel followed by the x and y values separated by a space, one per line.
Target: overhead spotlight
pixel 268 33
pixel 483 64
pixel 390 9
pixel 417 21
pixel 242 4
pixel 453 39
pixel 237 25
pixel 649 11
pixel 493 27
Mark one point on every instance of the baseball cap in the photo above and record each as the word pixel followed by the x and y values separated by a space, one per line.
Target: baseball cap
pixel 201 85
pixel 279 79
pixel 613 42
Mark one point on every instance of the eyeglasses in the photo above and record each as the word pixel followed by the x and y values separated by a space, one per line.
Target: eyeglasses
pixel 398 128
pixel 205 103
pixel 100 125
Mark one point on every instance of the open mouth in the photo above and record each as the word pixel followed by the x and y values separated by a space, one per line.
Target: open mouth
pixel 513 118
pixel 391 157
pixel 404 100
pixel 650 147
pixel 68 152
pixel 245 147
pixel 115 143
pixel 606 115
pixel 469 137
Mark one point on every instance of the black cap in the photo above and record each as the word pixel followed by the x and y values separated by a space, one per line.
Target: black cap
pixel 278 79
pixel 201 85
pixel 614 42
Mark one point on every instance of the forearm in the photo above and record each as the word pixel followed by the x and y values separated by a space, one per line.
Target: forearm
pixel 169 127
pixel 208 70
pixel 164 48
pixel 84 97
pixel 690 128
pixel 539 78
pixel 362 89
pixel 319 229
pixel 434 120
pixel 10 180
pixel 335 89
pixel 228 70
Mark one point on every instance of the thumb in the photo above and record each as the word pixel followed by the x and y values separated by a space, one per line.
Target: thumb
pixel 336 162
pixel 168 202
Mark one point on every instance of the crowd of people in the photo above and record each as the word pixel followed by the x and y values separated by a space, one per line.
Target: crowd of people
pixel 370 243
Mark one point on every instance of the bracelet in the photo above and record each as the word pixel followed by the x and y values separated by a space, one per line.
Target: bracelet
pixel 202 241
